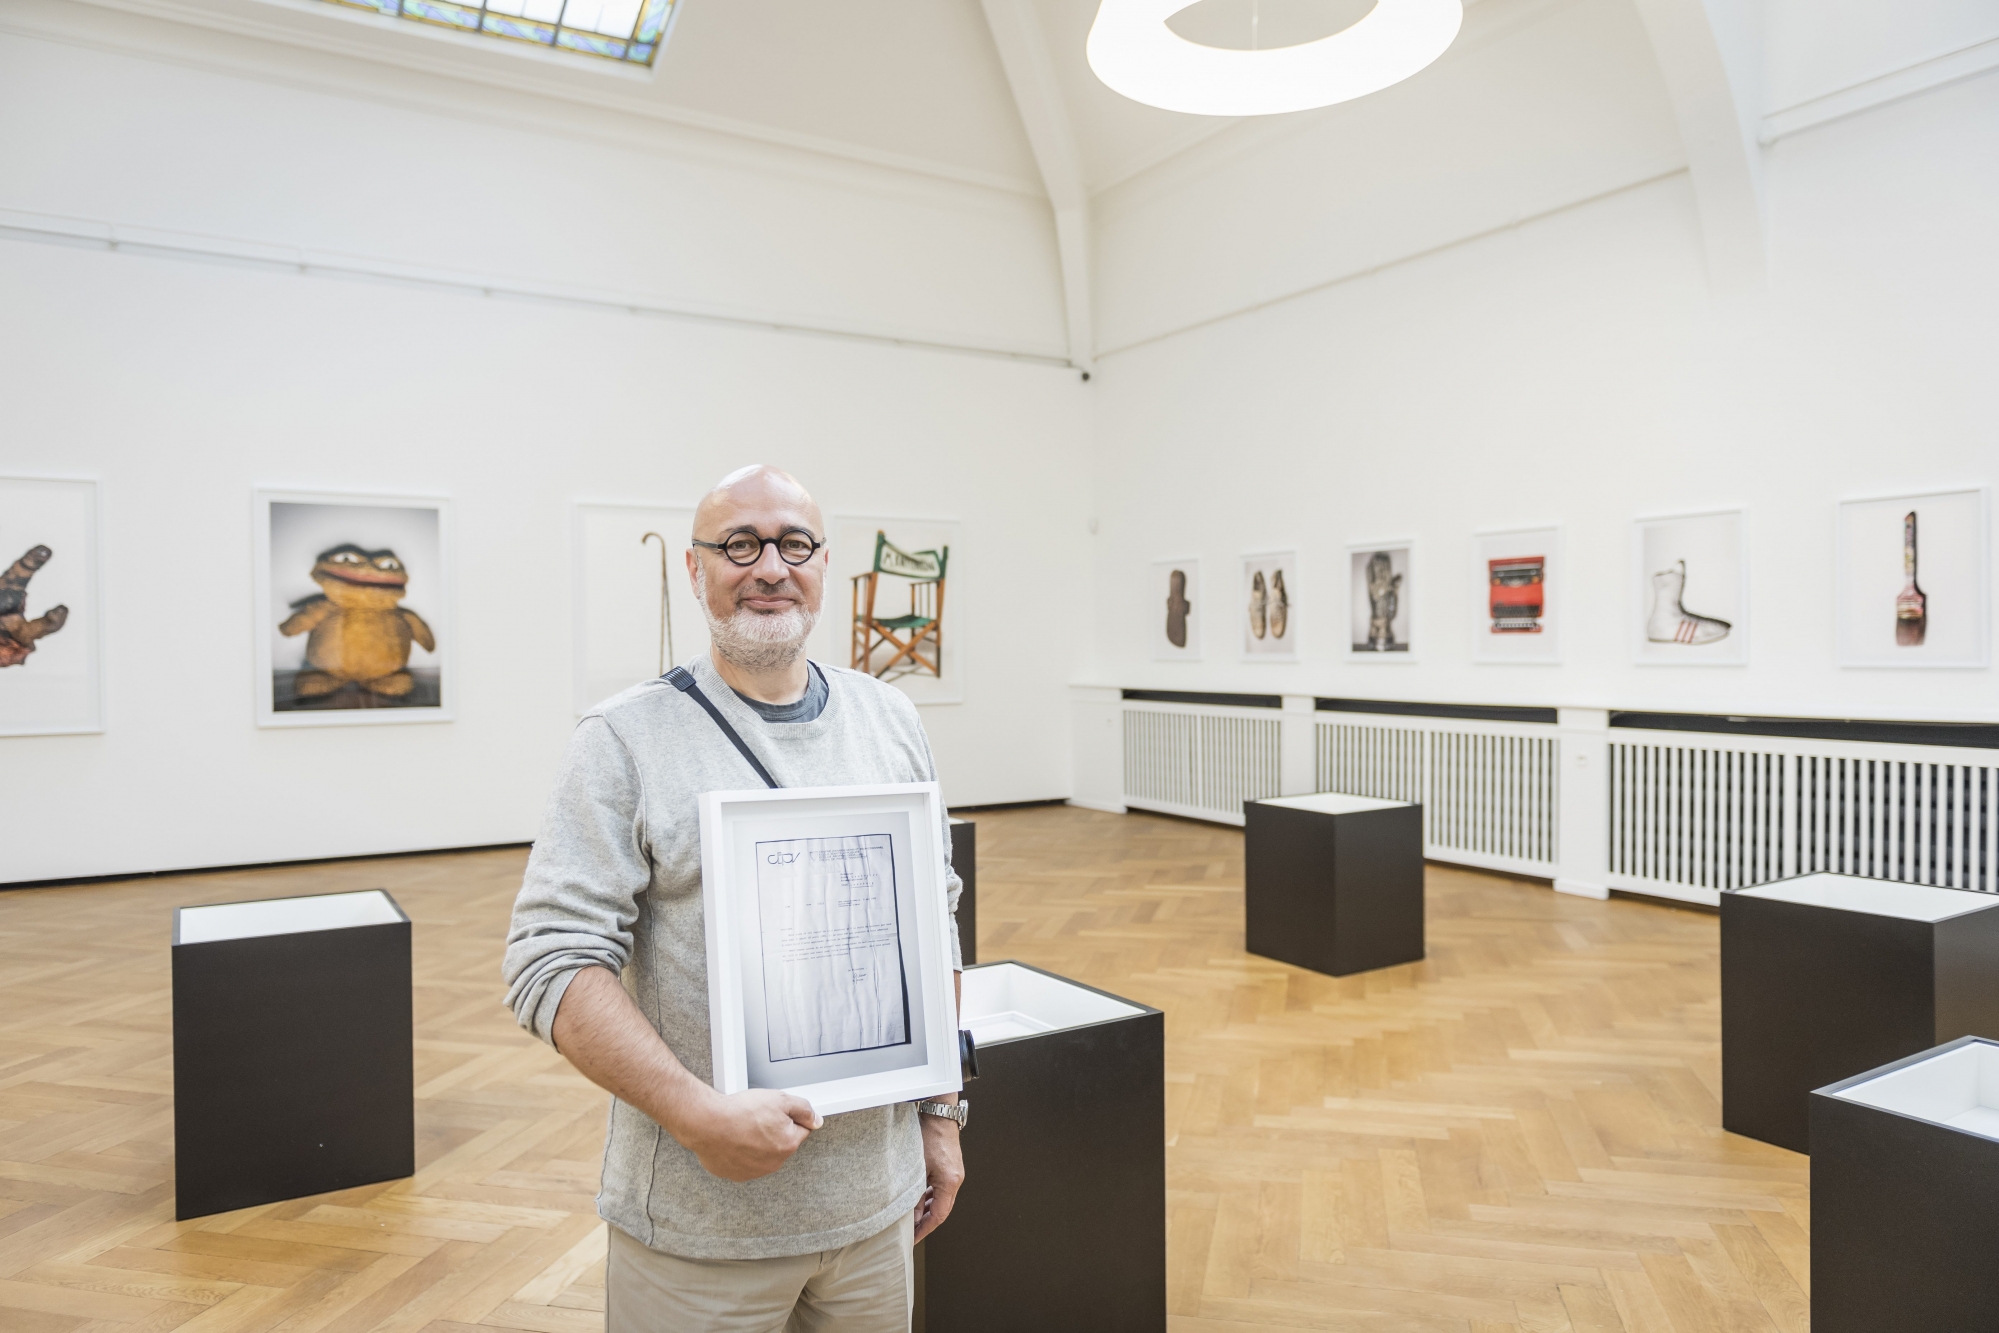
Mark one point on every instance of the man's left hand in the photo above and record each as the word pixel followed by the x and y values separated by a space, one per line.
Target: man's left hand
pixel 944 1167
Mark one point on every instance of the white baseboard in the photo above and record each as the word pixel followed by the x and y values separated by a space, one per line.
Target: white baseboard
pixel 1108 807
pixel 1582 888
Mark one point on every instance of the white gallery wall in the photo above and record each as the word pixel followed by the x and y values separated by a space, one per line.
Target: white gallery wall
pixel 333 255
pixel 181 385
pixel 1485 304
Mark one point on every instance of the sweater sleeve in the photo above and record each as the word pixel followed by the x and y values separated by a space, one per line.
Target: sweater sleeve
pixel 579 899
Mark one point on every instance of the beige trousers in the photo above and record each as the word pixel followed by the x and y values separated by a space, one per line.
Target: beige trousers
pixel 865 1287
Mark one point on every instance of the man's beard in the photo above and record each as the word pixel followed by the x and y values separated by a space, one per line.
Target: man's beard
pixel 758 640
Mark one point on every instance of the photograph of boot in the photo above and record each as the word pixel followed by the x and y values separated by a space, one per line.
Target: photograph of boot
pixel 1280 605
pixel 1259 600
pixel 1670 621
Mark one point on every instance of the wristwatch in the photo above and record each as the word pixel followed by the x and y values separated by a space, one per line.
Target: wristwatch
pixel 960 1113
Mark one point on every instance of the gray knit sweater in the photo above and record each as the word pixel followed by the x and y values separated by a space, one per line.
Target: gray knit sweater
pixel 615 881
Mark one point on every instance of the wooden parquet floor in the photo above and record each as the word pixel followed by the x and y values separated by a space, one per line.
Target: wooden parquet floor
pixel 1520 1133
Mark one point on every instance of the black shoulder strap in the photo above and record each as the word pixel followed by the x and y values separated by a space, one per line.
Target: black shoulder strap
pixel 683 680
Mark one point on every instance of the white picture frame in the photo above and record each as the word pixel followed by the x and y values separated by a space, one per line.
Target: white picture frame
pixel 1400 640
pixel 850 540
pixel 290 528
pixel 619 592
pixel 1690 573
pixel 52 684
pixel 1171 609
pixel 1505 625
pixel 1267 606
pixel 1953 578
pixel 777 1021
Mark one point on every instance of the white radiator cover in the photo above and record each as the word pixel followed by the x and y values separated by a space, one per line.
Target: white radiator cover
pixel 1680 815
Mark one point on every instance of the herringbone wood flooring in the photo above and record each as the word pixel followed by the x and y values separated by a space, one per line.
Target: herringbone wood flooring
pixel 1519 1134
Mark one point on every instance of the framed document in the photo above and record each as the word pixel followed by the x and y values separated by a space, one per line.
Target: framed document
pixel 829 947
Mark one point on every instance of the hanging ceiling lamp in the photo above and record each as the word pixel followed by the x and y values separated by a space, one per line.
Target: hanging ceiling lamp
pixel 1135 53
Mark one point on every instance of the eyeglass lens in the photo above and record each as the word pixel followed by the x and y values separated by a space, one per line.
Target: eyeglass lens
pixel 746 548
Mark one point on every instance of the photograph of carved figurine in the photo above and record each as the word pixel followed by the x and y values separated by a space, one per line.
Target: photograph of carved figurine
pixel 1692 590
pixel 1378 601
pixel 1269 607
pixel 1516 582
pixel 1173 606
pixel 354 591
pixel 1912 581
pixel 48 601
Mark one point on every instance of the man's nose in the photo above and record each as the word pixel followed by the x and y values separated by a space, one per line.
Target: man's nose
pixel 770 567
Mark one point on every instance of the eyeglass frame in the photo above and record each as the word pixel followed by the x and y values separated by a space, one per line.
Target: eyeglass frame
pixel 762 541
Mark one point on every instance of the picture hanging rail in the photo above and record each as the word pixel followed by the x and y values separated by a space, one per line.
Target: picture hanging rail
pixel 49 652
pixel 1517 584
pixel 1914 580
pixel 1380 591
pixel 1690 590
pixel 353 609
pixel 1173 610
pixel 1268 607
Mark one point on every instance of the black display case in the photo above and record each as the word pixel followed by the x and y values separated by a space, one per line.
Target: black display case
pixel 1062 1222
pixel 293 1069
pixel 1823 976
pixel 1333 883
pixel 965 860
pixel 1905 1195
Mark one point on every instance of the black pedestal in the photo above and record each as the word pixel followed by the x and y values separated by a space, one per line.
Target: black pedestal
pixel 1824 976
pixel 1062 1223
pixel 965 860
pixel 293 1068
pixel 1333 883
pixel 1904 1208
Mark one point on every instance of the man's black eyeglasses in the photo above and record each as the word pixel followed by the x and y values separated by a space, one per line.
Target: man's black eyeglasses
pixel 794 546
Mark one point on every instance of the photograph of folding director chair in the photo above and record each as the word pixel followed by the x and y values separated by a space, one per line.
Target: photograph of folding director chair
pixel 909 638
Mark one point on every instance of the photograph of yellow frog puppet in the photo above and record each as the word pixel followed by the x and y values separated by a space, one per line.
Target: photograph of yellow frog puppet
pixel 354 593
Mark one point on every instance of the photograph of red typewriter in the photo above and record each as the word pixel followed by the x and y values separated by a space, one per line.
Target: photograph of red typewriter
pixel 1515 594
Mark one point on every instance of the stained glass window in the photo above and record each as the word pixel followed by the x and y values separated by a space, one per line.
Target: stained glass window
pixel 626 30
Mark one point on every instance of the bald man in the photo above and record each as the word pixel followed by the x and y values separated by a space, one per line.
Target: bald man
pixel 745 1213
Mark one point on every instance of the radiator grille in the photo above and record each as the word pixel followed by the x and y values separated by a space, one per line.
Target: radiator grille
pixel 1199 763
pixel 1722 819
pixel 1488 798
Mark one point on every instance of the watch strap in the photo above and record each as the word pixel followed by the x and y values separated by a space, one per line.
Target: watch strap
pixel 961 1112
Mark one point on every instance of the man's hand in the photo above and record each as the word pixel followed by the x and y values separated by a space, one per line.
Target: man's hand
pixel 747 1135
pixel 738 1138
pixel 943 1167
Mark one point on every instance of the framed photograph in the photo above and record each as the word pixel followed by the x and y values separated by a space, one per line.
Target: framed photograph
pixel 353 609
pixel 1380 581
pixel 1690 597
pixel 886 612
pixel 1269 613
pixel 829 950
pixel 1516 586
pixel 1913 581
pixel 1174 610
pixel 635 611
pixel 49 652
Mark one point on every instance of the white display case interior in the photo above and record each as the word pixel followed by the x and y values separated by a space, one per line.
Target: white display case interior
pixel 1334 803
pixel 1001 1001
pixel 1957 1088
pixel 284 916
pixel 1877 897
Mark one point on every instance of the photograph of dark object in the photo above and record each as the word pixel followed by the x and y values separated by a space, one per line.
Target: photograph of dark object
pixel 1177 608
